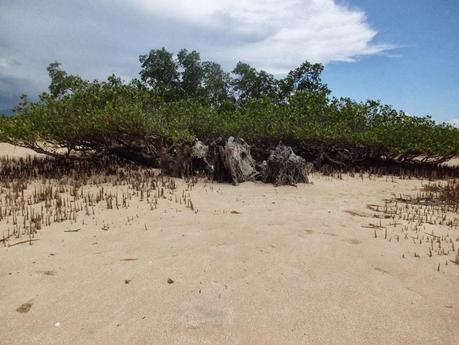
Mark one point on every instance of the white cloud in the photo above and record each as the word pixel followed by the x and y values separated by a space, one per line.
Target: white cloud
pixel 108 36
pixel 3 63
pixel 277 34
pixel 455 122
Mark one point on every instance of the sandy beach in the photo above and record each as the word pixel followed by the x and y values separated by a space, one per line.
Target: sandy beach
pixel 247 264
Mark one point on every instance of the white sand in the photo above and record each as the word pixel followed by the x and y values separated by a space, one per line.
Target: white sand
pixel 453 162
pixel 293 267
pixel 7 150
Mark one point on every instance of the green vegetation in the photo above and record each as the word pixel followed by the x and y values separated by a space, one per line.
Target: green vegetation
pixel 179 99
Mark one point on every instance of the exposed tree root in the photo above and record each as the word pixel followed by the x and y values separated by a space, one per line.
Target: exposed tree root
pixel 234 160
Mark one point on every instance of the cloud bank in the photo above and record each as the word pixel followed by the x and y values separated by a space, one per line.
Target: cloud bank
pixel 277 34
pixel 99 37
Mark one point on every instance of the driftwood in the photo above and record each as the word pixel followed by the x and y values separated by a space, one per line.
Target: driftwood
pixel 233 161
pixel 200 159
pixel 225 160
pixel 284 167
pixel 187 161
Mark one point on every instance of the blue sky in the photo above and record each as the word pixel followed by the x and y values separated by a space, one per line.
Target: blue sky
pixel 403 52
pixel 424 77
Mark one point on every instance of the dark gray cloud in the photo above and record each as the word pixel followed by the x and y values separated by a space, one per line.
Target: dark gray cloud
pixel 100 37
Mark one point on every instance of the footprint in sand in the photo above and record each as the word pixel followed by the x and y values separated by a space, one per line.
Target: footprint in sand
pixel 202 313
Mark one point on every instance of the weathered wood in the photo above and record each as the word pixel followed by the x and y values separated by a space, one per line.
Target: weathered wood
pixel 200 160
pixel 284 167
pixel 237 161
pixel 186 160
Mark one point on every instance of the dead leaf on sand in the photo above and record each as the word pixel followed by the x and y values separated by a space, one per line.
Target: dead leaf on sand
pixel 24 308
pixel 49 273
pixel 235 212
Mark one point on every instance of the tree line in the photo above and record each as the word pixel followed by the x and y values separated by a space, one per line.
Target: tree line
pixel 178 99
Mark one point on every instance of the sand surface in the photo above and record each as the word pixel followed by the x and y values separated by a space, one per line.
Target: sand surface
pixel 8 150
pixel 251 264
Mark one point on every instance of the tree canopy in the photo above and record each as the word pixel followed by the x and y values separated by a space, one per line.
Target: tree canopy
pixel 179 98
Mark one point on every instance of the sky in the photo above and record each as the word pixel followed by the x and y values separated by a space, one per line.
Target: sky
pixel 402 52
